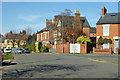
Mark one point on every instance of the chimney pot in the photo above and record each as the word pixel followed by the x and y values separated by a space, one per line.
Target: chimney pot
pixel 77 11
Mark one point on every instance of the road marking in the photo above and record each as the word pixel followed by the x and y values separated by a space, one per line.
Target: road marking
pixel 97 60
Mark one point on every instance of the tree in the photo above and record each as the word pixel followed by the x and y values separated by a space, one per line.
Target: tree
pixel 69 31
pixel 28 31
pixel 83 39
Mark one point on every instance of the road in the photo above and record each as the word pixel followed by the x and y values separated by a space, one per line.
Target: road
pixel 45 65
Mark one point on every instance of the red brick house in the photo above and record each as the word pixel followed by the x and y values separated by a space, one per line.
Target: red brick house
pixel 43 35
pixel 108 26
pixel 50 35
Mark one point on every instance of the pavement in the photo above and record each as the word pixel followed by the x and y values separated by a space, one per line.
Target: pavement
pixel 48 65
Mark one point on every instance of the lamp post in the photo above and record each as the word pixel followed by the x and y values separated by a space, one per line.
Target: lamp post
pixel 62 28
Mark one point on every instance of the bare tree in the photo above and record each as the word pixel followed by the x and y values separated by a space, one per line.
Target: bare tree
pixel 28 31
pixel 70 32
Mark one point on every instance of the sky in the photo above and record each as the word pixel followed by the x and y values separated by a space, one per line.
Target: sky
pixel 17 16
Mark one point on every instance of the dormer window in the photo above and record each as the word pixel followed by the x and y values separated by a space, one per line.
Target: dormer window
pixel 59 23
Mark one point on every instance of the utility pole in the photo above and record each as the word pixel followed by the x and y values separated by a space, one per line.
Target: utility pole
pixel 62 29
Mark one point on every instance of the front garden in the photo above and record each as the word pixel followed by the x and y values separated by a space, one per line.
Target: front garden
pixel 7 58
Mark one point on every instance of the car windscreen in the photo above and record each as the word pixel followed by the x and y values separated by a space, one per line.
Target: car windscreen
pixel 8 49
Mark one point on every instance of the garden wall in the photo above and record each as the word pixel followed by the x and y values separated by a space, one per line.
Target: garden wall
pixel 66 48
pixel 102 51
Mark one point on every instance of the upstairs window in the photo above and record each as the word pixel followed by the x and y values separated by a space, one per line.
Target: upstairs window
pixel 106 30
pixel 37 37
pixel 45 35
pixel 41 36
pixel 55 33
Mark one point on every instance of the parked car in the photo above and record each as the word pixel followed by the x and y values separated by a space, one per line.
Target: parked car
pixel 26 50
pixel 7 50
pixel 19 51
pixel 1 57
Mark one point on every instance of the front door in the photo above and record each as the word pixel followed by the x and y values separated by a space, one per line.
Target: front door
pixel 116 44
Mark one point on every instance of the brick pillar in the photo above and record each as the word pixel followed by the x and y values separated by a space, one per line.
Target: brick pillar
pixel 117 51
pixel 110 52
pixel 85 47
pixel 68 46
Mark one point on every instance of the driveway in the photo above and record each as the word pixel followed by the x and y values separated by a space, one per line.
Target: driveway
pixel 46 65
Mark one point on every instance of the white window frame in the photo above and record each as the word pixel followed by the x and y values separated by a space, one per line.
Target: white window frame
pixel 105 30
pixel 59 23
pixel 41 36
pixel 45 44
pixel 45 35
pixel 37 37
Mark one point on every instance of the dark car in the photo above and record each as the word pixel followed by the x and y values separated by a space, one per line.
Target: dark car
pixel 19 51
pixel 26 50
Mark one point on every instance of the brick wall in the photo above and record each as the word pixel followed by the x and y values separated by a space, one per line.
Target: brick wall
pixel 83 48
pixel 65 48
pixel 86 31
pixel 102 51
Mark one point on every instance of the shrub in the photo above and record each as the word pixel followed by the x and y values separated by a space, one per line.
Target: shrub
pixel 39 45
pixel 83 39
pixel 31 48
pixel 44 49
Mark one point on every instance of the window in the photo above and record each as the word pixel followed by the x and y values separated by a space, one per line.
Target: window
pixel 59 23
pixel 55 33
pixel 45 35
pixel 45 44
pixel 41 36
pixel 7 41
pixel 106 30
pixel 105 45
pixel 37 37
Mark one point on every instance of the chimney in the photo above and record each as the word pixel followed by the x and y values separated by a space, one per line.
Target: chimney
pixel 48 22
pixel 104 10
pixel 5 36
pixel 55 19
pixel 77 22
pixel 77 13
pixel 10 32
pixel 23 32
pixel 1 36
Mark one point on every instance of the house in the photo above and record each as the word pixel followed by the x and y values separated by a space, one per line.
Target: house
pixel 15 40
pixel 43 35
pixel 108 26
pixel 93 34
pixel 51 33
pixel 1 41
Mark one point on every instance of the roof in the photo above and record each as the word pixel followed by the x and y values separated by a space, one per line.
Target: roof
pixel 52 26
pixel 16 36
pixel 85 22
pixel 92 29
pixel 66 22
pixel 71 20
pixel 2 40
pixel 109 18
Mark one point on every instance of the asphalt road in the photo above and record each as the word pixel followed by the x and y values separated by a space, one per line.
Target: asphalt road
pixel 59 66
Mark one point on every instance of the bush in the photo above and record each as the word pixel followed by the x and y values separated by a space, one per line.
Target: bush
pixel 7 56
pixel 39 45
pixel 83 39
pixel 45 49
pixel 31 48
